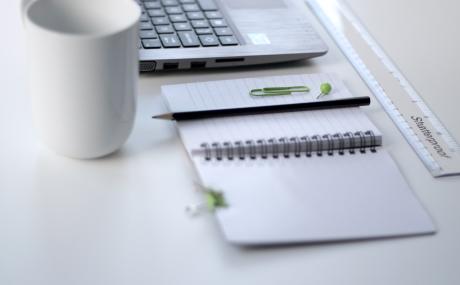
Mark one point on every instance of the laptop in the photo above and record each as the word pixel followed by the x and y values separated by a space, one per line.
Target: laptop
pixel 196 34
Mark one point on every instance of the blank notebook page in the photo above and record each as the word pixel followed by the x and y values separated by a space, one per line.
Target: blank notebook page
pixel 312 199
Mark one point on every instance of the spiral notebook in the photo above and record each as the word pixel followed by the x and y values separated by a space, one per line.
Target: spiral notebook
pixel 307 176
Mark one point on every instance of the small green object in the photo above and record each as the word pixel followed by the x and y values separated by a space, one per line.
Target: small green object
pixel 215 199
pixel 325 89
pixel 275 91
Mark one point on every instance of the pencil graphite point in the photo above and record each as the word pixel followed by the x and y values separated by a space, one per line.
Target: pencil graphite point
pixel 166 116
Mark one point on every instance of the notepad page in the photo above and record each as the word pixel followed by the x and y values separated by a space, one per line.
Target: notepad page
pixel 279 125
pixel 295 199
pixel 235 93
pixel 313 199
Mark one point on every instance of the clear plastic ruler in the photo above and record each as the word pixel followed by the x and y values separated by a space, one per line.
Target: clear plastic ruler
pixel 422 129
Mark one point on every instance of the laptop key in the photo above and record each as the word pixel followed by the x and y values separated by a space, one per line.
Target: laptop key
pixel 178 18
pixel 152 5
pixel 200 24
pixel 209 40
pixel 195 15
pixel 213 15
pixel 169 2
pixel 190 7
pixel 228 41
pixel 145 26
pixel 189 39
pixel 207 5
pixel 215 23
pixel 150 44
pixel 187 1
pixel 165 29
pixel 204 31
pixel 156 13
pixel 170 41
pixel 160 21
pixel 148 34
pixel 145 18
pixel 223 31
pixel 173 10
pixel 182 27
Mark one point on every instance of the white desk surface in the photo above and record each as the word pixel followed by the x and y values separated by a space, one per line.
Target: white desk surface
pixel 121 220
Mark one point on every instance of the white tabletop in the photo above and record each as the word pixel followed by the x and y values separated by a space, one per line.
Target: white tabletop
pixel 121 220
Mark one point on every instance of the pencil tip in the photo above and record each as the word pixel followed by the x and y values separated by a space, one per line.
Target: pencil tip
pixel 162 116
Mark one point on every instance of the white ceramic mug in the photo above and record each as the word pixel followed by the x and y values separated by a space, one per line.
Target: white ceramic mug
pixel 83 73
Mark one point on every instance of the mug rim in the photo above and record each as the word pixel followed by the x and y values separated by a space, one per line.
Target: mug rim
pixel 91 35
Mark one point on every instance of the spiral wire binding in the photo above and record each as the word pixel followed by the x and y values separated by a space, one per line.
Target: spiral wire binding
pixel 297 146
pixel 350 137
pixel 330 144
pixel 362 141
pixel 275 147
pixel 240 149
pixel 263 148
pixel 341 140
pixel 230 150
pixel 285 147
pixel 218 149
pixel 373 141
pixel 308 146
pixel 292 146
pixel 252 149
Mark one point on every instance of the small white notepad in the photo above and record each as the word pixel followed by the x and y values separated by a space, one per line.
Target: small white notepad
pixel 235 93
pixel 295 177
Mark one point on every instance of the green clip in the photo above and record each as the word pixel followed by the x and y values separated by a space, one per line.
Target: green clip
pixel 275 91
pixel 215 199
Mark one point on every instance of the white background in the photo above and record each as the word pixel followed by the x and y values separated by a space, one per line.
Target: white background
pixel 120 220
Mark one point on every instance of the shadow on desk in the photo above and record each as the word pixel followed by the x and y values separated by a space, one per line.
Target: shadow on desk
pixel 362 241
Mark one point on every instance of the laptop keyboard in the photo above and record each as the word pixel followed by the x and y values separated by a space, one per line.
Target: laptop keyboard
pixel 183 23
